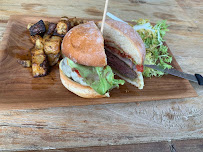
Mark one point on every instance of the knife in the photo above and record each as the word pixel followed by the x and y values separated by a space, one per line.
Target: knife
pixel 195 78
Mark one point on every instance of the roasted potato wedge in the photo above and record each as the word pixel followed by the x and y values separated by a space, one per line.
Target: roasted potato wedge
pixel 62 27
pixel 75 21
pixel 39 63
pixel 52 48
pixel 53 58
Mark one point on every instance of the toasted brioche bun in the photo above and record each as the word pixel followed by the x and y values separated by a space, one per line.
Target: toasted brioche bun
pixel 78 89
pixel 84 44
pixel 122 35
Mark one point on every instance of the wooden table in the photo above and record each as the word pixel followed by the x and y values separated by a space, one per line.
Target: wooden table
pixel 159 125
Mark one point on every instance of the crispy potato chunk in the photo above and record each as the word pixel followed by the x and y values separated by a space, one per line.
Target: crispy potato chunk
pixel 52 48
pixel 53 58
pixel 56 38
pixel 75 21
pixel 25 63
pixel 39 63
pixel 34 38
pixel 62 27
pixel 39 43
pixel 38 71
pixel 46 37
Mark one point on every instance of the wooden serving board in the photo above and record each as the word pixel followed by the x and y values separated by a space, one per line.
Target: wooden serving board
pixel 19 90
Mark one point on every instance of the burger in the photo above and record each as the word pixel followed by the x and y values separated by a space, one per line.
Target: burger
pixel 125 51
pixel 84 70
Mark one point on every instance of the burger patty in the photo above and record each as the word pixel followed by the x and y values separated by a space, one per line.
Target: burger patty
pixel 120 66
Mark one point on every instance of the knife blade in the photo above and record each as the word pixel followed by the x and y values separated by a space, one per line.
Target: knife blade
pixel 195 78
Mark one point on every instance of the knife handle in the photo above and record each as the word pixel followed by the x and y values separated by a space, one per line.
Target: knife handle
pixel 199 79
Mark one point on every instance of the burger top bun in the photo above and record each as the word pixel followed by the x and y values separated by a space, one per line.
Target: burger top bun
pixel 122 35
pixel 84 44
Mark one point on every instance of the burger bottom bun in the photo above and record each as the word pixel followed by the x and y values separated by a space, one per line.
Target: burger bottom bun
pixel 78 89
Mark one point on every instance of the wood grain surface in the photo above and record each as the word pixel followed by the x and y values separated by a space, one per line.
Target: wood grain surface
pixel 144 147
pixel 113 124
pixel 48 91
pixel 194 145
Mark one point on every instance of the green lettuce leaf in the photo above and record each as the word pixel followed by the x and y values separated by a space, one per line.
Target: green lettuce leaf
pixel 156 52
pixel 101 79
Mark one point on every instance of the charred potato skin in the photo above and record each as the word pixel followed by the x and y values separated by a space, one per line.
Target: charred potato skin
pixel 38 28
pixel 46 23
pixel 51 29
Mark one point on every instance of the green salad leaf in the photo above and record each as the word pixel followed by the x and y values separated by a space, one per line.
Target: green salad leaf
pixel 101 79
pixel 156 51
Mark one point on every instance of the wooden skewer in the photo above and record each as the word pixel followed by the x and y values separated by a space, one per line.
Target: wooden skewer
pixel 104 16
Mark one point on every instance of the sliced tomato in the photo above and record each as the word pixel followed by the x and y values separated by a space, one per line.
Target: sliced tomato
pixel 77 72
pixel 139 68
